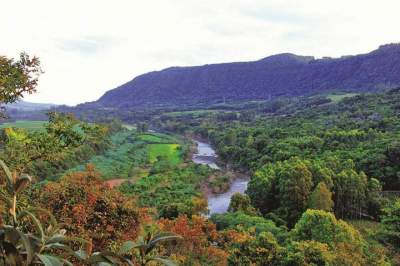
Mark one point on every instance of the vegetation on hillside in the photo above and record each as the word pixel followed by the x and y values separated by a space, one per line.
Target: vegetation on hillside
pixel 324 175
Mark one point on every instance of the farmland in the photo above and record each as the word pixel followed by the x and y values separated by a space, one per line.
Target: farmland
pixel 29 125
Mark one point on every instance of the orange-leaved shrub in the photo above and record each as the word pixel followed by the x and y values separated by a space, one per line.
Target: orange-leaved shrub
pixel 88 208
pixel 196 247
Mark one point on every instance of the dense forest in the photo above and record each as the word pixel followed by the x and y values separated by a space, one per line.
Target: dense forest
pixel 271 77
pixel 119 187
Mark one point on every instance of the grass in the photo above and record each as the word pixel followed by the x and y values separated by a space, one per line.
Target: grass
pixel 29 125
pixel 124 159
pixel 150 138
pixel 130 154
pixel 154 138
pixel 338 97
pixel 170 151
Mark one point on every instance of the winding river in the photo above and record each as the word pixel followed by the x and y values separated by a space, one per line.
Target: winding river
pixel 217 203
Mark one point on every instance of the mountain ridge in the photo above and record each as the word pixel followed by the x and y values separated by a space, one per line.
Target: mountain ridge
pixel 283 74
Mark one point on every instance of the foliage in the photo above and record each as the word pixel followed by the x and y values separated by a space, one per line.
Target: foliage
pixel 391 222
pixel 265 79
pixel 241 203
pixel 345 243
pixel 196 247
pixel 29 125
pixel 246 249
pixel 146 247
pixel 120 160
pixel 246 222
pixel 64 143
pixel 171 193
pixel 18 77
pixel 28 240
pixel 88 208
pixel 308 252
pixel 321 198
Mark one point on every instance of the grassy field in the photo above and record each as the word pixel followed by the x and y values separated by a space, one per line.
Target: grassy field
pixel 150 138
pixel 29 125
pixel 169 151
pixel 129 157
pixel 123 160
pixel 338 97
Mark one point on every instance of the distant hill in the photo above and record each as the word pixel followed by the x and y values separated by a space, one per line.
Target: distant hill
pixel 277 75
pixel 28 106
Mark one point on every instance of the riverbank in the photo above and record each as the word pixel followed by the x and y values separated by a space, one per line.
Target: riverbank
pixel 234 182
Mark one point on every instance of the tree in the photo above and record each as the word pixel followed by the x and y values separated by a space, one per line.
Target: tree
pixel 88 208
pixel 344 240
pixel 65 128
pixel 262 250
pixel 18 77
pixel 308 252
pixel 196 247
pixel 391 222
pixel 374 198
pixel 321 198
pixel 323 227
pixel 240 202
pixel 350 193
pixel 294 183
pixel 262 188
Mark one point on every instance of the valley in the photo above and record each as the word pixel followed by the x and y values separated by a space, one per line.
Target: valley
pixel 228 164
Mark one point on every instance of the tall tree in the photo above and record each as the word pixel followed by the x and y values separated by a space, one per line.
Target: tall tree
pixel 295 183
pixel 321 198
pixel 18 77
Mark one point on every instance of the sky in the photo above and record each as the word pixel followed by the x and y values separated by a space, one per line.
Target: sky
pixel 87 47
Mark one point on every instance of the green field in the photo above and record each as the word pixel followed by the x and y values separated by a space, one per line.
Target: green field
pixel 124 159
pixel 338 97
pixel 128 158
pixel 169 151
pixel 150 138
pixel 29 125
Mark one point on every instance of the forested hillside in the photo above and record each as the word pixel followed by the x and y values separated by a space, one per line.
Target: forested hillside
pixel 278 75
pixel 322 176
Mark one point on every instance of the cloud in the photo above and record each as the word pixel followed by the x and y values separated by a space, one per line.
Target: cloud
pixel 88 47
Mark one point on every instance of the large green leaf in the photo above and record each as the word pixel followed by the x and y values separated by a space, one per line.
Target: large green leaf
pixel 49 260
pixel 28 247
pixel 50 216
pixel 9 176
pixel 81 254
pixel 161 237
pixel 127 247
pixel 35 220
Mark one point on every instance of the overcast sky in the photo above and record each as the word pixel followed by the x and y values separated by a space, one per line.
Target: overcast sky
pixel 88 47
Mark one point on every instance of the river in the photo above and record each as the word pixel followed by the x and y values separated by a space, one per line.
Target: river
pixel 217 203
